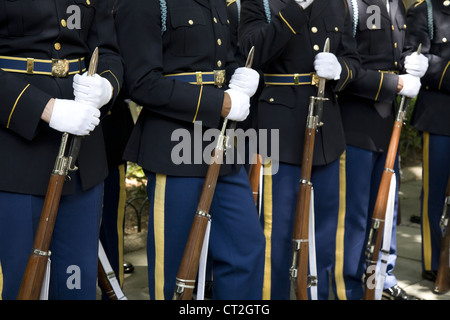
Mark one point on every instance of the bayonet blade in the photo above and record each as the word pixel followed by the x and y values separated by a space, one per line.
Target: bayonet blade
pixel 250 56
pixel 93 63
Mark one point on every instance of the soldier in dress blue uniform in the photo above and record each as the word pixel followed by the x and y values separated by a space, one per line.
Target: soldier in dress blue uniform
pixel 38 103
pixel 172 49
pixel 368 110
pixel 289 36
pixel 431 117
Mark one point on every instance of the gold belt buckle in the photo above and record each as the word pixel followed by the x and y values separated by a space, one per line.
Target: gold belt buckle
pixel 219 78
pixel 314 79
pixel 60 68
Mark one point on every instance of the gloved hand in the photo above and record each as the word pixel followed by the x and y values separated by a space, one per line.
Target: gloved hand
pixel 95 90
pixel 411 85
pixel 74 117
pixel 245 80
pixel 240 105
pixel 327 66
pixel 416 64
pixel 304 3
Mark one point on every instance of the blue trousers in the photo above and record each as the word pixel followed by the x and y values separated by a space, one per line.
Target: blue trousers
pixel 277 215
pixel 436 172
pixel 74 246
pixel 363 175
pixel 236 246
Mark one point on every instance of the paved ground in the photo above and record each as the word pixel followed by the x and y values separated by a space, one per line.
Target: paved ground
pixel 408 266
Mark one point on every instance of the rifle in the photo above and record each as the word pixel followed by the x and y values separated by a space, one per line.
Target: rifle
pixel 32 280
pixel 187 272
pixel 299 269
pixel 442 283
pixel 378 216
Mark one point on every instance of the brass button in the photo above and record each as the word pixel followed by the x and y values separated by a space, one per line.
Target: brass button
pixel 63 23
pixel 191 22
pixel 215 20
pixel 404 26
pixel 336 29
pixel 316 47
pixel 374 26
pixel 219 42
pixel 314 30
pixel 395 45
pixel 392 26
pixel 219 63
pixel 57 46
pixel 88 2
pixel 444 39
pixel 271 99
pixel 446 3
pixel 396 63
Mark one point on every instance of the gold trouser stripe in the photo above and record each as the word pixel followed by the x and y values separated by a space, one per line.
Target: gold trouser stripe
pixel 426 235
pixel 120 219
pixel 158 213
pixel 15 104
pixel 339 263
pixel 268 219
pixel 1 281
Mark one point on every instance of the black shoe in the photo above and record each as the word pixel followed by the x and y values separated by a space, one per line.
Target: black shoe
pixel 415 219
pixel 128 267
pixel 397 293
pixel 429 275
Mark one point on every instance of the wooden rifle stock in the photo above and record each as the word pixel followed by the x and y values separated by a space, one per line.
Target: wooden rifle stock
pixel 442 283
pixel 378 216
pixel 187 272
pixel 254 174
pixel 32 280
pixel 31 286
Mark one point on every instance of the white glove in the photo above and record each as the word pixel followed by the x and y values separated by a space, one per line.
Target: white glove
pixel 240 105
pixel 327 66
pixel 74 117
pixel 95 90
pixel 416 64
pixel 304 3
pixel 411 85
pixel 245 80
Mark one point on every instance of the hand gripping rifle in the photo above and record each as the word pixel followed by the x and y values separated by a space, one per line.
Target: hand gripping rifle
pixel 375 238
pixel 187 272
pixel 299 269
pixel 442 283
pixel 32 280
